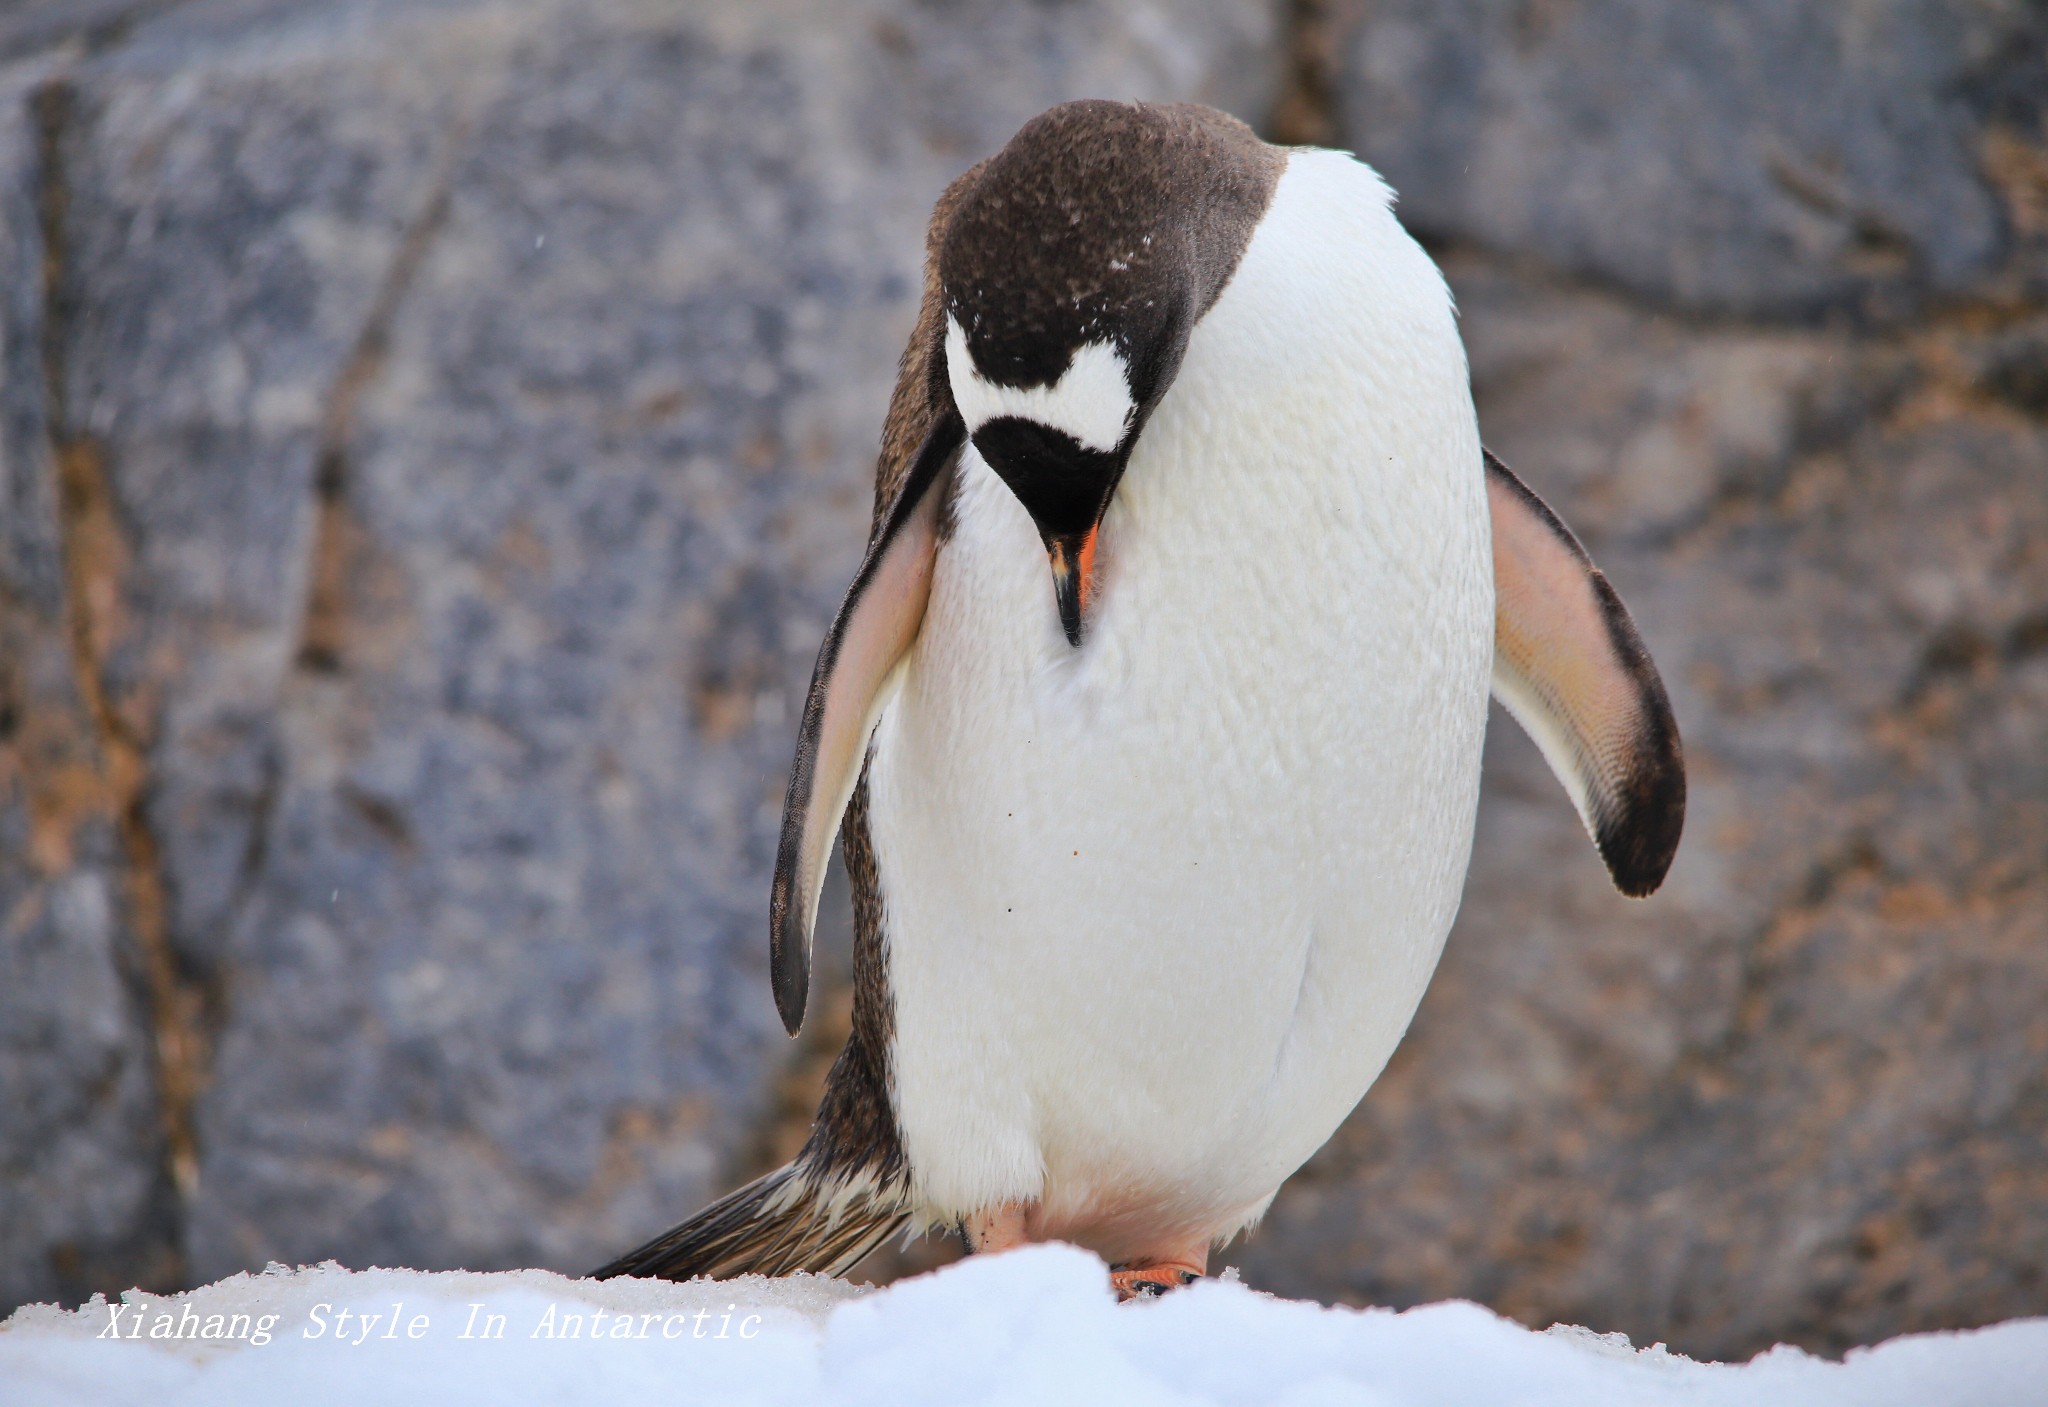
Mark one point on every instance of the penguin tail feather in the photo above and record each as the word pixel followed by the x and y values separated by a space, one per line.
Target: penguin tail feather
pixel 793 1219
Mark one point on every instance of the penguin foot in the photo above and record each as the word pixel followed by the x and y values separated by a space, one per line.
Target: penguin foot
pixel 1135 1282
pixel 1004 1226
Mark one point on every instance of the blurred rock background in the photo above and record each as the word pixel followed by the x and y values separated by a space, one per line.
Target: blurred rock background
pixel 433 437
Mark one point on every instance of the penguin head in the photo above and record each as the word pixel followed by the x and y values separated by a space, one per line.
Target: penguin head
pixel 1072 272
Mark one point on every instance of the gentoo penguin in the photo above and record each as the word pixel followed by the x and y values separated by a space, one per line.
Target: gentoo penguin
pixel 1151 723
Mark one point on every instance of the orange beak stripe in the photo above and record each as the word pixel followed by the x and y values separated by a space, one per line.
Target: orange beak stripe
pixel 1086 567
pixel 1073 579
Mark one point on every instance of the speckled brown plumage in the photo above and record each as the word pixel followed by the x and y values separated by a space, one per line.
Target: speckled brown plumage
pixel 921 394
pixel 847 1189
pixel 1103 221
pixel 855 1127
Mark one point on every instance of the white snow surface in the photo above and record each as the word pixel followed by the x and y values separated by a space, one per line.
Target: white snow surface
pixel 1034 1326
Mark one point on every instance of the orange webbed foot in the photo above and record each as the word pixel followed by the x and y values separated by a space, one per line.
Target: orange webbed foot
pixel 1135 1282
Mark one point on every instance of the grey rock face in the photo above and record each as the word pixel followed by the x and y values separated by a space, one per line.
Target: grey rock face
pixel 1776 157
pixel 475 405
pixel 82 1182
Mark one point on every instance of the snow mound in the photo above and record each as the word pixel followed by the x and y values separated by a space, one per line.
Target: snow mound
pixel 1035 1326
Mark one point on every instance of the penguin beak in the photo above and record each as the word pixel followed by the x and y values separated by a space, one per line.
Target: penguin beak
pixel 1073 577
pixel 1066 488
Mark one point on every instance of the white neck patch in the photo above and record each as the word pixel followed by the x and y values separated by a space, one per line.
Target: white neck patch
pixel 1091 401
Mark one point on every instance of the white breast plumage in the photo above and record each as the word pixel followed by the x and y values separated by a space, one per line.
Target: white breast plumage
pixel 1159 908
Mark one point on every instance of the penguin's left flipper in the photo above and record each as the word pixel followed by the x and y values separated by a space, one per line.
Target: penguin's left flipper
pixel 852 683
pixel 1570 667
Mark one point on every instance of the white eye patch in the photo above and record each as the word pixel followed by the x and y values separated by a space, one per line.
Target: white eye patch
pixel 1091 401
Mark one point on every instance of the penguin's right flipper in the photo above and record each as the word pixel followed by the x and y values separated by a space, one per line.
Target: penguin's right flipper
pixel 1570 667
pixel 875 626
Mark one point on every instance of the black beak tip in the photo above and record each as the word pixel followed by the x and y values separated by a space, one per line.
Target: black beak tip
pixel 1067 589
